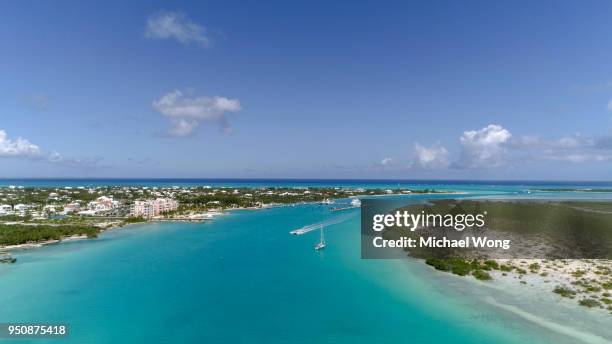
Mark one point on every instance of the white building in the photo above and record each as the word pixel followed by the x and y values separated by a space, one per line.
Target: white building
pixel 102 204
pixel 6 209
pixel 71 207
pixel 49 208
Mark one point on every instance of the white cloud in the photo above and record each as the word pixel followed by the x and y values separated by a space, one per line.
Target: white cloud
pixel 18 147
pixel 183 127
pixel 571 148
pixel 494 146
pixel 387 161
pixel 187 113
pixel 56 157
pixel 176 25
pixel 433 157
pixel 575 141
pixel 483 148
pixel 59 159
pixel 22 148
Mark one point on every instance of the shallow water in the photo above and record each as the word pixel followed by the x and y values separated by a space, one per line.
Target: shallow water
pixel 243 279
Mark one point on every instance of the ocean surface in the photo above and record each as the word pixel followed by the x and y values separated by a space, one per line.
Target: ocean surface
pixel 243 279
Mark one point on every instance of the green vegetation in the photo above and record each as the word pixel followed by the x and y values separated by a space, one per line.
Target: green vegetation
pixel 462 267
pixel 135 219
pixel 22 234
pixel 590 303
pixel 534 267
pixel 481 275
pixel 492 264
pixel 202 199
pixel 592 289
pixel 520 271
pixel 549 230
pixel 565 292
pixel 558 229
pixel 457 266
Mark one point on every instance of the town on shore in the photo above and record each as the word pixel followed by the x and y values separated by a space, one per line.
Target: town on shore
pixel 31 216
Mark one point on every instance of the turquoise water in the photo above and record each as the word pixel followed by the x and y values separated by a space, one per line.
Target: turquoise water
pixel 243 279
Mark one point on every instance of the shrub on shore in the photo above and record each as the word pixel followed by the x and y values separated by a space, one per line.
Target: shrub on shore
pixel 461 267
pixel 590 303
pixel 481 275
pixel 565 292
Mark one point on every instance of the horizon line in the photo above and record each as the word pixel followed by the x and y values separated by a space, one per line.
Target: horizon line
pixel 308 179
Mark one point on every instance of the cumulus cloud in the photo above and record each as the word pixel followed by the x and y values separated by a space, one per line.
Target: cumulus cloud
pixel 483 148
pixel 24 149
pixel 494 146
pixel 186 113
pixel 176 25
pixel 433 157
pixel 18 147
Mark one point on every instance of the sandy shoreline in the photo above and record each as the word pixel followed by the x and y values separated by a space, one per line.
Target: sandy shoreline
pixel 588 282
pixel 534 301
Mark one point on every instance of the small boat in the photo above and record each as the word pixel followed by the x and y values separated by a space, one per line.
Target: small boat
pixel 327 201
pixel 321 245
pixel 356 202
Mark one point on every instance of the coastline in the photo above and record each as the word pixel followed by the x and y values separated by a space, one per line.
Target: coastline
pixel 69 238
pixel 583 283
pixel 565 274
pixel 107 226
pixel 516 287
pixel 538 306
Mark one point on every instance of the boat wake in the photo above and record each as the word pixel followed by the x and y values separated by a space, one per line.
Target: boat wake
pixel 315 226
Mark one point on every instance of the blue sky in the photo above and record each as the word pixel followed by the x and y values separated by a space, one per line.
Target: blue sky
pixel 430 89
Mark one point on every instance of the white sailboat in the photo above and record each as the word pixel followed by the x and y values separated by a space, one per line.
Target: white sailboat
pixel 321 245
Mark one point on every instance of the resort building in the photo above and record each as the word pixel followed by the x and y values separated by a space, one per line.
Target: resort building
pixel 102 204
pixel 150 208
